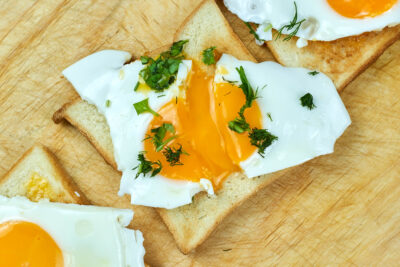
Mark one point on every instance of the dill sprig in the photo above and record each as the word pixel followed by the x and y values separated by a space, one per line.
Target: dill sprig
pixel 173 155
pixel 293 24
pixel 262 139
pixel 145 166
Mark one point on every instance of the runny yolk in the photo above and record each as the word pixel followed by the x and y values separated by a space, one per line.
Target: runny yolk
pixel 27 244
pixel 201 119
pixel 358 9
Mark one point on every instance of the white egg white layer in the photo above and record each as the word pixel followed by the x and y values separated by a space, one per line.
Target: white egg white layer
pixel 86 235
pixel 104 76
pixel 302 133
pixel 322 22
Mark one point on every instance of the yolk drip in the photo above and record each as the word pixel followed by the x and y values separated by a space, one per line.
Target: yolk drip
pixel 358 9
pixel 27 244
pixel 201 124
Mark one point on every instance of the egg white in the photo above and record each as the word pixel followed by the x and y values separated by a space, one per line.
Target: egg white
pixel 103 76
pixel 302 134
pixel 86 235
pixel 322 22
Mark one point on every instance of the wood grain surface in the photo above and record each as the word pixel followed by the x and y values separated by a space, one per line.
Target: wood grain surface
pixel 340 209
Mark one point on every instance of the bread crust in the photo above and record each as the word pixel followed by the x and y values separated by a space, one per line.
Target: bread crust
pixel 68 183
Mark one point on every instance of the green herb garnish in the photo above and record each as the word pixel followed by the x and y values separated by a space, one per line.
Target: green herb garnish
pixel 145 166
pixel 136 86
pixel 269 116
pixel 160 73
pixel 294 24
pixel 307 100
pixel 208 56
pixel 143 106
pixel 228 81
pixel 159 135
pixel 313 73
pixel 239 124
pixel 253 32
pixel 262 139
pixel 108 103
pixel 173 155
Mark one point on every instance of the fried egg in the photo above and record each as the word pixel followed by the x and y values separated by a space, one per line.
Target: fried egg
pixel 324 20
pixel 200 107
pixel 54 234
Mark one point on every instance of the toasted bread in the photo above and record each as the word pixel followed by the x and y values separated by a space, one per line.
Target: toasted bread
pixel 190 224
pixel 36 175
pixel 342 60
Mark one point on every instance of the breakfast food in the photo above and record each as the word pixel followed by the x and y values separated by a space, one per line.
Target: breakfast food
pixel 175 139
pixel 316 20
pixel 56 234
pixel 341 59
pixel 38 175
pixel 205 28
pixel 67 232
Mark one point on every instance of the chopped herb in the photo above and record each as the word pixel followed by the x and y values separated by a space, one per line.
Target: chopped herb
pixel 145 166
pixel 136 86
pixel 173 155
pixel 208 56
pixel 108 103
pixel 239 124
pixel 228 81
pixel 269 116
pixel 160 73
pixel 143 106
pixel 160 95
pixel 294 24
pixel 268 27
pixel 313 73
pixel 307 100
pixel 262 139
pixel 228 249
pixel 253 32
pixel 159 135
pixel 176 100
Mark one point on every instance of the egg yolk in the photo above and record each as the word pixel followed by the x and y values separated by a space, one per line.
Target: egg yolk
pixel 211 149
pixel 27 244
pixel 358 9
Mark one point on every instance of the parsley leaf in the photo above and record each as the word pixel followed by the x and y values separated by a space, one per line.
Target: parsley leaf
pixel 313 73
pixel 307 100
pixel 160 73
pixel 145 166
pixel 262 139
pixel 208 56
pixel 136 86
pixel 159 135
pixel 253 32
pixel 143 106
pixel 294 24
pixel 173 155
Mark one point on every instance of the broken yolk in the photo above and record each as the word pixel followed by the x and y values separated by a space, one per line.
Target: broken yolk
pixel 212 150
pixel 27 244
pixel 358 9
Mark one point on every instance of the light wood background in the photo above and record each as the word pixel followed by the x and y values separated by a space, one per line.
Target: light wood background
pixel 340 209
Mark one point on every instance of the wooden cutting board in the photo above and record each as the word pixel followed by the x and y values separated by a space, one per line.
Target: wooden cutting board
pixel 343 208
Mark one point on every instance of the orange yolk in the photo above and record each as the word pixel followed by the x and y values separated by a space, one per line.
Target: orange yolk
pixel 358 9
pixel 26 244
pixel 201 124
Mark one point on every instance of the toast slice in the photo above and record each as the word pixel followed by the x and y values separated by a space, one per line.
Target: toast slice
pixel 190 224
pixel 36 175
pixel 342 60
